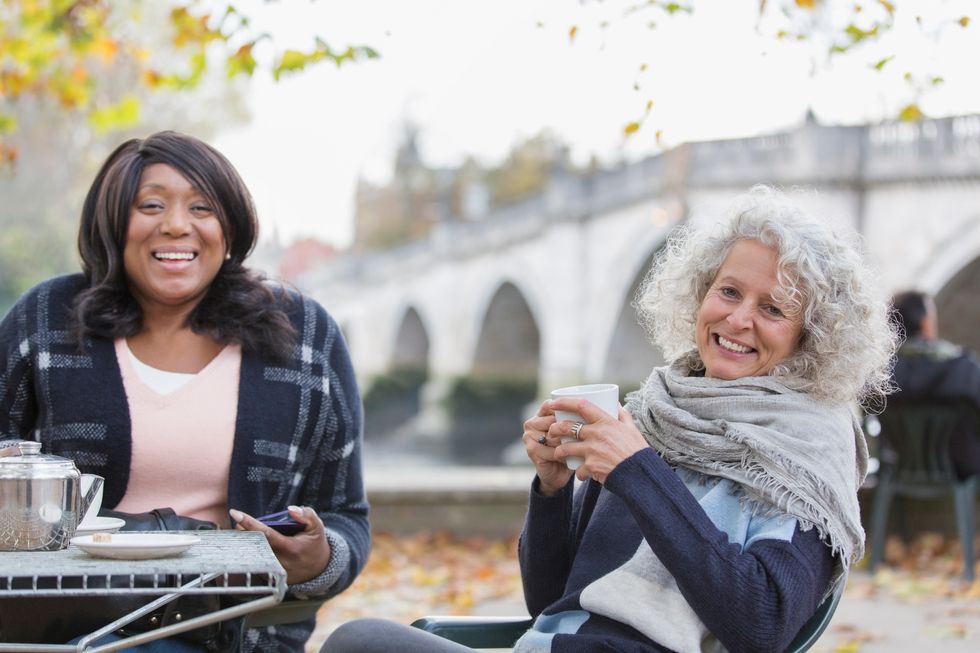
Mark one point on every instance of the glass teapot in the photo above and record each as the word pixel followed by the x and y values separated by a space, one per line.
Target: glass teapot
pixel 41 502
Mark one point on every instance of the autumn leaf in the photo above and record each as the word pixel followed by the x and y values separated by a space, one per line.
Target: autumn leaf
pixel 7 124
pixel 191 29
pixel 242 62
pixel 572 31
pixel 295 60
pixel 105 49
pixel 631 128
pixel 673 7
pixel 857 34
pixel 150 78
pixel 955 630
pixel 806 4
pixel 124 113
pixel 290 61
pixel 881 64
pixel 964 21
pixel 889 6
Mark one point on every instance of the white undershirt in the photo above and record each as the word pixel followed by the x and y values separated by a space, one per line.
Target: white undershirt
pixel 161 381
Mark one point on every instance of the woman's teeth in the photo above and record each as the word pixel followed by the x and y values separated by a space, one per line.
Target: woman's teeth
pixel 733 346
pixel 174 256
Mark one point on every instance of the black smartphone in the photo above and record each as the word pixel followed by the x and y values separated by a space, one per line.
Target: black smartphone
pixel 281 522
pixel 286 527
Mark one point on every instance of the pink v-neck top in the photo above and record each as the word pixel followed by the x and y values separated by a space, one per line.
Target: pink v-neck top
pixel 182 440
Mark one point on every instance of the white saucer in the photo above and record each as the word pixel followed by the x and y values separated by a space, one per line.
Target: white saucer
pixel 136 546
pixel 99 525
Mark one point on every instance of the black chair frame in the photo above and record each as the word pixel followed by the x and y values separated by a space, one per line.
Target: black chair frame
pixel 916 461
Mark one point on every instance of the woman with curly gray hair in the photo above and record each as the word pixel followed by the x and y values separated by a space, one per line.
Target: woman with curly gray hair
pixel 720 507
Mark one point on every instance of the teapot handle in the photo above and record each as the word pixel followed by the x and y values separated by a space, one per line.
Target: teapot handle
pixel 93 490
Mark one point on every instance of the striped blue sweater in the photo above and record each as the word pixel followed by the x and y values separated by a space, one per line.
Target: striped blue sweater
pixel 297 436
pixel 658 560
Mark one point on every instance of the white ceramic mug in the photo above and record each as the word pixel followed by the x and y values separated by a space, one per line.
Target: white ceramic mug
pixel 603 395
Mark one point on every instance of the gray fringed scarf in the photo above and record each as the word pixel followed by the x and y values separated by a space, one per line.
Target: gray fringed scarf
pixel 788 452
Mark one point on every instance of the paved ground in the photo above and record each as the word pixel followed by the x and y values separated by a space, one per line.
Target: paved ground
pixel 904 613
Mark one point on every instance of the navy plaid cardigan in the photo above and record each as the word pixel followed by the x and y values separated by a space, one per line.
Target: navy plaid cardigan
pixel 297 436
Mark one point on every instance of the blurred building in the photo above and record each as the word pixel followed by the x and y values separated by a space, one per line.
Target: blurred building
pixel 418 196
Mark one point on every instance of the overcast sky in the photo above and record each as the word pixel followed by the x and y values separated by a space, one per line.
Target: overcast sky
pixel 477 75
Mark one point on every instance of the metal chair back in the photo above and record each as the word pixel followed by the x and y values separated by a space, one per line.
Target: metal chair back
pixel 917 461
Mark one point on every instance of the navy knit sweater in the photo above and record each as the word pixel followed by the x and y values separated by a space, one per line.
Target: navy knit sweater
pixel 298 431
pixel 658 560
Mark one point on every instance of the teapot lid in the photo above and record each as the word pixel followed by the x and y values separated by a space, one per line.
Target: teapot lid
pixel 28 452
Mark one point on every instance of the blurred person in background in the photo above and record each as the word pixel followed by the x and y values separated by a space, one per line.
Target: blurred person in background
pixel 928 367
pixel 720 508
pixel 187 380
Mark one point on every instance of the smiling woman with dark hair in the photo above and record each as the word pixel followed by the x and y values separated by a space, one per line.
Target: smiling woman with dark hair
pixel 187 380
pixel 239 305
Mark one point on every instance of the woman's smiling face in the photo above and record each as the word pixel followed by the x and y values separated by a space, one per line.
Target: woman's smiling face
pixel 742 330
pixel 175 244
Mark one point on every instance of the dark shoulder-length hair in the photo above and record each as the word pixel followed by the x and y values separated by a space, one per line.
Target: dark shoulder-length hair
pixel 238 307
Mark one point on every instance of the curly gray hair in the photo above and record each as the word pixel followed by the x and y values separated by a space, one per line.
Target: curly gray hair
pixel 847 343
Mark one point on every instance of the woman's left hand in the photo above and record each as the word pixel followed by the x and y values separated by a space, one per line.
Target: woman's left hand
pixel 603 442
pixel 304 555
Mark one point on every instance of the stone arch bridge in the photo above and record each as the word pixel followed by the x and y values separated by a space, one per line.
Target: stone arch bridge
pixel 540 292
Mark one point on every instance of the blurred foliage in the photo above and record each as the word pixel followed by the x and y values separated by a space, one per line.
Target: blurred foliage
pixel 58 152
pixel 392 399
pixel 829 28
pixel 60 50
pixel 485 415
pixel 527 168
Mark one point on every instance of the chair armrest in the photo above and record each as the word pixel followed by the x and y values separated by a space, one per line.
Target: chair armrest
pixel 288 612
pixel 813 628
pixel 477 632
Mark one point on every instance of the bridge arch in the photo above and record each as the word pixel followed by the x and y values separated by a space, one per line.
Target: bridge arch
pixel 394 398
pixel 508 341
pixel 410 342
pixel 486 408
pixel 622 352
pixel 958 250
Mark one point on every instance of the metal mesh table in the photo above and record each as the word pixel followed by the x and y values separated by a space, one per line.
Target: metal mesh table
pixel 228 563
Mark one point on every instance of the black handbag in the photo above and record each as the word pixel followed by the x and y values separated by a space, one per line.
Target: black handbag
pixel 159 519
pixel 59 620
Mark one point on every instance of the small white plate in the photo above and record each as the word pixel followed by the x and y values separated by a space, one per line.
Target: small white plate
pixel 99 525
pixel 136 546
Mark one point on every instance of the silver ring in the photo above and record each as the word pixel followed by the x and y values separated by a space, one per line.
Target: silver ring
pixel 542 440
pixel 576 427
